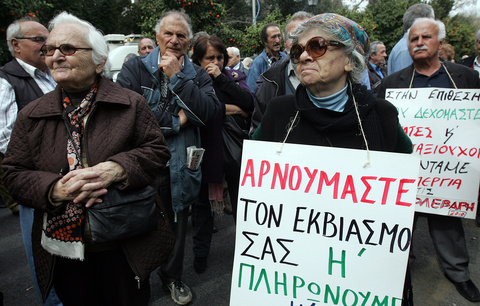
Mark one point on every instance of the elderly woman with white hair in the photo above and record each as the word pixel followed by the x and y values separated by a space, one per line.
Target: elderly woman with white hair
pixel 330 106
pixel 66 149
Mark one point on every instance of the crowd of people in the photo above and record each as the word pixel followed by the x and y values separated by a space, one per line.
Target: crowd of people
pixel 68 135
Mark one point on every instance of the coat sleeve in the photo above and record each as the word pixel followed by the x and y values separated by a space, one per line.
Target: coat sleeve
pixel 129 76
pixel 237 95
pixel 25 183
pixel 197 97
pixel 149 152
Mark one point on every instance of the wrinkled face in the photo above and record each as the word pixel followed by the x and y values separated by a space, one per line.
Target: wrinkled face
pixel 74 72
pixel 379 58
pixel 212 56
pixel 232 59
pixel 28 50
pixel 274 40
pixel 423 41
pixel 145 46
pixel 173 36
pixel 324 75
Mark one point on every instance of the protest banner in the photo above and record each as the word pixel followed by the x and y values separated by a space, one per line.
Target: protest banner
pixel 320 226
pixel 443 125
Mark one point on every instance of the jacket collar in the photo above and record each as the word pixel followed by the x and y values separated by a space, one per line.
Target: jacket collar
pixel 50 104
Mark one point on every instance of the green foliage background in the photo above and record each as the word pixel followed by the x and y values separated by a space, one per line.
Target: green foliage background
pixel 231 20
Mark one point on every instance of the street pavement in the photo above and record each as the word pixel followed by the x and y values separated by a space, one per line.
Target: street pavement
pixel 212 288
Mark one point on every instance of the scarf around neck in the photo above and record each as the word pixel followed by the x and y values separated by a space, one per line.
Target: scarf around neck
pixel 63 232
pixel 325 120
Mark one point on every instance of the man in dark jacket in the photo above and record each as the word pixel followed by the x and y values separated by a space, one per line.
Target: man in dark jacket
pixel 280 79
pixel 473 61
pixel 426 37
pixel 182 98
pixel 22 80
pixel 376 64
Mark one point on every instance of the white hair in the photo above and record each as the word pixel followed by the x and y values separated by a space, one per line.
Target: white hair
pixel 182 14
pixel 235 50
pixel 440 26
pixel 93 36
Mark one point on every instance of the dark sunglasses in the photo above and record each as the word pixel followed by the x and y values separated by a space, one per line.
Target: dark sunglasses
pixel 66 49
pixel 316 47
pixel 37 39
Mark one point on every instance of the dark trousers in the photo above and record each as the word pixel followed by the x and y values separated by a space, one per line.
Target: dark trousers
pixel 448 238
pixel 232 177
pixel 103 278
pixel 172 269
pixel 202 214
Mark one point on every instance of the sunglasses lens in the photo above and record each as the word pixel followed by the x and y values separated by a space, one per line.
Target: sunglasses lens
pixel 295 53
pixel 316 47
pixel 68 49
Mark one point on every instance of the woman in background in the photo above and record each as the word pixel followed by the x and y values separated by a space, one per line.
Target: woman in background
pixel 230 86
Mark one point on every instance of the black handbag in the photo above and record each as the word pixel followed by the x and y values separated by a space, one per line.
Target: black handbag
pixel 233 136
pixel 123 214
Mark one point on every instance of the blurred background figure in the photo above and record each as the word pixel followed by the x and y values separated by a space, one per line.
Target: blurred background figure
pixel 447 53
pixel 474 60
pixel 145 46
pixel 234 60
pixel 377 57
pixel 246 62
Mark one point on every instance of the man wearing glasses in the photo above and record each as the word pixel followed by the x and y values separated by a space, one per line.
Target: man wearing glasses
pixel 22 80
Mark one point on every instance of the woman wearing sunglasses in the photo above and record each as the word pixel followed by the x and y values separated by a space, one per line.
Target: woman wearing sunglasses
pixel 330 107
pixel 68 147
pixel 328 55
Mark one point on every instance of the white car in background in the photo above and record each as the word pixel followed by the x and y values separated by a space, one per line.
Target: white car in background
pixel 119 47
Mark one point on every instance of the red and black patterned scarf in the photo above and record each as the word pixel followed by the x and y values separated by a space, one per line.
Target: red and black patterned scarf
pixel 63 232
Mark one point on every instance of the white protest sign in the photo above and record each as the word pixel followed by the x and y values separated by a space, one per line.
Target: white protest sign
pixel 444 126
pixel 316 226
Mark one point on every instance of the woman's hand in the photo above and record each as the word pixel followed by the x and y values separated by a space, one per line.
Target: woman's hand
pixel 213 70
pixel 87 185
pixel 232 109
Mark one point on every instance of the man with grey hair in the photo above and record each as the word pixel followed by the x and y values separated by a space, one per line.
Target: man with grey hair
pixel 182 98
pixel 425 38
pixel 279 80
pixel 376 64
pixel 399 56
pixel 22 80
pixel 234 60
pixel 473 61
pixel 292 23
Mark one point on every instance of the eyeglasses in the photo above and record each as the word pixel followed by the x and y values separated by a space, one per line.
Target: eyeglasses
pixel 66 49
pixel 316 47
pixel 37 39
